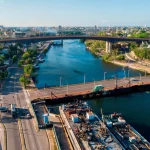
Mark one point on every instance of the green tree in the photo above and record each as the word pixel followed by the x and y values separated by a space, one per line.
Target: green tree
pixel 26 55
pixel 14 58
pixel 1 61
pixel 28 70
pixel 12 50
pixel 24 80
pixel 20 63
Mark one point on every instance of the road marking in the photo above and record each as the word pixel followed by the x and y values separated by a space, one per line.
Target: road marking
pixel 28 93
pixel 26 96
pixel 33 145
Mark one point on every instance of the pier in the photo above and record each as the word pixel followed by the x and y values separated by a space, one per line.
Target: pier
pixel 113 87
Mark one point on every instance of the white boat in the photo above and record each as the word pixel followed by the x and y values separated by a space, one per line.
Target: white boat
pixel 41 60
pixel 36 67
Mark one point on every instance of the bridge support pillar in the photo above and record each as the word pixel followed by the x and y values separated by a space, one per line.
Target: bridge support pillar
pixel 108 46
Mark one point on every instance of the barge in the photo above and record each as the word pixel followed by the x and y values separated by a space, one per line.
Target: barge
pixel 124 132
pixel 85 130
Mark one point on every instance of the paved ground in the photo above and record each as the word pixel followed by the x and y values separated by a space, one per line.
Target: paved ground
pixel 82 88
pixel 12 93
pixel 64 144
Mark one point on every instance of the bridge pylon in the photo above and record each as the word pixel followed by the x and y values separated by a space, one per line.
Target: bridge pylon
pixel 108 46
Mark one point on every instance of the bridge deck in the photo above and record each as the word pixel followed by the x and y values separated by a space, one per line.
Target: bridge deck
pixel 77 89
pixel 47 38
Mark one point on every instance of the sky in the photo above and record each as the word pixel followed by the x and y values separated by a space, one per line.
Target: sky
pixel 74 12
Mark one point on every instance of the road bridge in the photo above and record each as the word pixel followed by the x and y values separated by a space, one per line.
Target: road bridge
pixel 85 88
pixel 109 39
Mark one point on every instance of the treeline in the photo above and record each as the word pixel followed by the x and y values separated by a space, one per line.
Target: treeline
pixel 143 53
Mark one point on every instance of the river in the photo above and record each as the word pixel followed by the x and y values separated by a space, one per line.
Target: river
pixel 73 61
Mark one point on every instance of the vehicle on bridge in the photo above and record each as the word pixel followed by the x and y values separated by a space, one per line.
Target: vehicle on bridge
pixel 98 88
pixel 134 79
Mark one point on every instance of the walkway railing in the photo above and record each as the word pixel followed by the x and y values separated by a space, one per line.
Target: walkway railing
pixel 57 142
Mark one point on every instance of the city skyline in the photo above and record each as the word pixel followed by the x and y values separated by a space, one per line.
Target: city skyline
pixel 74 13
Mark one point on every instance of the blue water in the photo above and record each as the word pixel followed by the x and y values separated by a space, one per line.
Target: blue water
pixel 134 107
pixel 72 62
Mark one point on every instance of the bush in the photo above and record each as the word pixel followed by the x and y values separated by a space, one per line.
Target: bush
pixel 45 50
pixel 120 57
pixel 107 57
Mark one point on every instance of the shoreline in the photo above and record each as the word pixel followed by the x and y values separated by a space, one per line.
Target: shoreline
pixel 133 65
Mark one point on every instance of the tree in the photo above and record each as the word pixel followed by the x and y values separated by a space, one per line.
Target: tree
pixel 28 70
pixel 1 61
pixel 12 50
pixel 24 80
pixel 20 63
pixel 14 58
pixel 26 55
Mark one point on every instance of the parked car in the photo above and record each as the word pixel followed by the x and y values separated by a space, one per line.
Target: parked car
pixel 3 109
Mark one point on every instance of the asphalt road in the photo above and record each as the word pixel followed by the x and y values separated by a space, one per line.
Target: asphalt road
pixel 12 93
pixel 11 124
pixel 87 87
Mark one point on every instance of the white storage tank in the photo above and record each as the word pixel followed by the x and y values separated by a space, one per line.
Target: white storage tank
pixel 90 115
pixel 75 118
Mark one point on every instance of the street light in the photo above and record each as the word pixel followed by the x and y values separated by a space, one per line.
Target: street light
pixel 105 75
pixel 94 82
pixel 84 78
pixel 140 76
pixel 67 87
pixel 66 83
pixel 124 72
pixel 60 80
pixel 128 72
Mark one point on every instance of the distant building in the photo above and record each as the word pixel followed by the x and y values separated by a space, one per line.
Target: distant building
pixel 18 34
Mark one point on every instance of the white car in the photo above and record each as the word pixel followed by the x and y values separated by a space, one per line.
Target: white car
pixel 134 79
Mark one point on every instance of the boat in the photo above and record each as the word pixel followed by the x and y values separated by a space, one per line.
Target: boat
pixel 85 129
pixel 36 66
pixel 41 60
pixel 125 133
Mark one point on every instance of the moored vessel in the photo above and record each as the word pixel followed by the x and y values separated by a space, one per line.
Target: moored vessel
pixel 124 132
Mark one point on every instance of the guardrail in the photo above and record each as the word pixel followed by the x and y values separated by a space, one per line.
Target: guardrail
pixel 35 118
pixel 57 142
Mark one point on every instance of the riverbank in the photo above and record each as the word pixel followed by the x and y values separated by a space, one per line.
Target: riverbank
pixel 133 65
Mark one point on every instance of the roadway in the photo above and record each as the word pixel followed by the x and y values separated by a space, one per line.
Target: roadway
pixel 47 38
pixel 82 88
pixel 12 93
